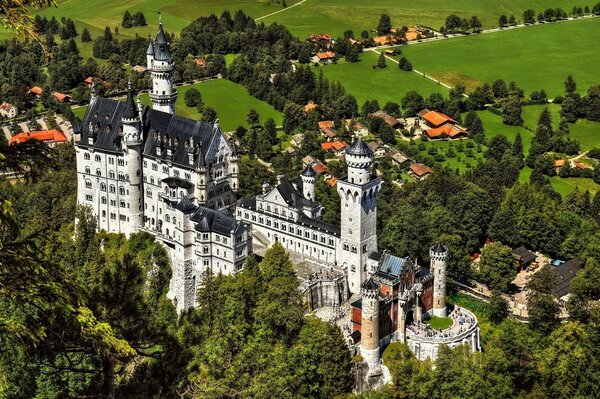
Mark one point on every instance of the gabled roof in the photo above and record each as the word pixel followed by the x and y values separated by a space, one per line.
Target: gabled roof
pixel 335 145
pixel 370 285
pixel 326 55
pixel 391 266
pixel 37 90
pixel 564 275
pixel 420 169
pixel 214 221
pixel 390 120
pixel 310 106
pixel 52 136
pixel 436 119
pixel 438 248
pixel 60 97
pixel 324 124
pixel 446 130
pixel 185 205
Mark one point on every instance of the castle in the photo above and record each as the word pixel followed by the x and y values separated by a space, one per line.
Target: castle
pixel 146 169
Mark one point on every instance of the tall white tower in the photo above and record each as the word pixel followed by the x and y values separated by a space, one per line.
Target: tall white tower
pixel 161 67
pixel 308 183
pixel 132 139
pixel 438 255
pixel 358 195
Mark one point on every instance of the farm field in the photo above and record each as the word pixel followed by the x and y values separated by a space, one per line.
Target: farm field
pixel 231 113
pixel 461 161
pixel 336 16
pixel 536 57
pixel 493 126
pixel 366 83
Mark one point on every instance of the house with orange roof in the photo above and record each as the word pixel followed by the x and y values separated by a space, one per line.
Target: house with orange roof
pixel 329 133
pixel 50 137
pixel 200 62
pixel 310 106
pixel 358 129
pixel 440 126
pixel 324 58
pixel 580 165
pixel 321 169
pixel 60 97
pixel 336 146
pixel 419 171
pixel 324 40
pixel 36 90
pixel 139 68
pixel 8 110
pixel 332 182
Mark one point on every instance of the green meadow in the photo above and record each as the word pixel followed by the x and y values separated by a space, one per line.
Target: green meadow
pixel 337 16
pixel 230 100
pixel 366 83
pixel 536 57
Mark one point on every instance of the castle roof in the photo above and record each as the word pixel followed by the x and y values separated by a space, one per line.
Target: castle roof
pixel 308 171
pixel 131 111
pixel 150 50
pixel 185 205
pixel 161 130
pixel 161 45
pixel 370 285
pixel 438 248
pixel 214 221
pixel 360 148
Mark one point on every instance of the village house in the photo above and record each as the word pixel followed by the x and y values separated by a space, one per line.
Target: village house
pixel 308 160
pixel 36 91
pixel 323 40
pixel 60 97
pixel 326 128
pixel 310 106
pixel 377 148
pixel 8 110
pixel 336 146
pixel 297 139
pixel 437 125
pixel 401 160
pixel 580 165
pixel 324 58
pixel 50 137
pixel 390 120
pixel 139 68
pixel 358 129
pixel 564 276
pixel 523 256
pixel 419 171
pixel 200 62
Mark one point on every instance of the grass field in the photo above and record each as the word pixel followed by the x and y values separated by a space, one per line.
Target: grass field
pixel 439 323
pixel 461 161
pixel 493 126
pixel 366 83
pixel 230 100
pixel 336 16
pixel 537 57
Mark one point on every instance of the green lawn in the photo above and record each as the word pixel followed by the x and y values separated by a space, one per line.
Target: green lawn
pixel 336 16
pixel 537 57
pixel 366 83
pixel 439 323
pixel 493 126
pixel 230 100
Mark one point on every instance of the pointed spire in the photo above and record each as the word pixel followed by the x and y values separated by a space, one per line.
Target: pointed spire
pixel 93 91
pixel 150 50
pixel 131 111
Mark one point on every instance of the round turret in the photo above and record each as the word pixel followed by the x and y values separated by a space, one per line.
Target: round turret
pixel 369 332
pixel 359 158
pixel 308 183
pixel 438 255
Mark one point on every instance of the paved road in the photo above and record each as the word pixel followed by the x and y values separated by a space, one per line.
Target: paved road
pixel 282 10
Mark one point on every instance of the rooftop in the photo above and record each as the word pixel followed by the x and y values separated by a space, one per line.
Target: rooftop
pixel 51 136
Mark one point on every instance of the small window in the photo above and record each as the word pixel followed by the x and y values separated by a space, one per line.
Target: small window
pixel 86 156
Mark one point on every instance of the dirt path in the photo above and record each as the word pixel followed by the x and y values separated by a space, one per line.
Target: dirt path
pixel 277 12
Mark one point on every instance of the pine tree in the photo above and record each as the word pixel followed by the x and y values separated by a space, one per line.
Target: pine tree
pixel 405 64
pixel 545 119
pixel 85 35
pixel 511 112
pixel 517 149
pixel 108 34
pixel 127 22
pixel 473 123
pixel 570 85
pixel 381 61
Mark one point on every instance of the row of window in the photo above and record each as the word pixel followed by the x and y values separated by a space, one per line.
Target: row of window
pixel 111 160
pixel 112 188
pixel 113 216
pixel 165 169
pixel 111 174
pixel 354 249
pixel 284 227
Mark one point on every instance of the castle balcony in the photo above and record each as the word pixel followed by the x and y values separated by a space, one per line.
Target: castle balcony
pixel 162 68
pixel 464 327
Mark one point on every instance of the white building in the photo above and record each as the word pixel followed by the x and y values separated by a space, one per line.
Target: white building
pixel 289 213
pixel 145 169
pixel 8 110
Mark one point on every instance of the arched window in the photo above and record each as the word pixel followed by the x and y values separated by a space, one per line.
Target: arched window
pixel 346 247
pixel 112 188
pixel 86 156
pixel 88 184
pixel 111 174
pixel 103 200
pixel 168 218
pixel 98 172
pixel 87 170
pixel 121 190
pixel 149 193
pixel 102 186
pixel 354 249
pixel 353 269
pixel 121 176
pixel 97 158
pixel 122 204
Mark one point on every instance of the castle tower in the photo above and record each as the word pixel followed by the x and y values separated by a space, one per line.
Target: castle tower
pixel 308 183
pixel 358 232
pixel 369 330
pixel 161 68
pixel 438 255
pixel 132 139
